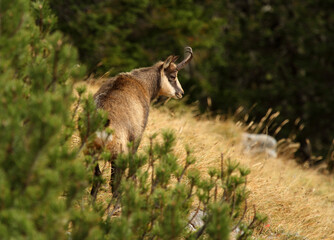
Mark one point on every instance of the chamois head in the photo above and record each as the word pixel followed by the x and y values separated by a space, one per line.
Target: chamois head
pixel 170 85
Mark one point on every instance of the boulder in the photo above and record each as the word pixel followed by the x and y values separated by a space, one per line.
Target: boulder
pixel 259 144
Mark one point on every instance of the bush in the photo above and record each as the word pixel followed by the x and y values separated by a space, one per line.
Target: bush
pixel 156 196
pixel 43 180
pixel 40 180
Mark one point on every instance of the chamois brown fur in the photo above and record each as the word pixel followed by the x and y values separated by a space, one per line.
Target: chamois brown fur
pixel 126 98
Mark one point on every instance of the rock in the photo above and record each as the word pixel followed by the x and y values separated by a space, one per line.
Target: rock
pixel 259 143
pixel 196 221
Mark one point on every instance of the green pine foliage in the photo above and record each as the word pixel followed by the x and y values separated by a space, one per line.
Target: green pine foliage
pixel 156 195
pixel 44 181
pixel 39 179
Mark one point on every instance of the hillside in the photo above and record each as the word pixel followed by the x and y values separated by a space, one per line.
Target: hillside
pixel 299 202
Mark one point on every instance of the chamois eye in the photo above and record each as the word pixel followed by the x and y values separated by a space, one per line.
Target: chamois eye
pixel 172 78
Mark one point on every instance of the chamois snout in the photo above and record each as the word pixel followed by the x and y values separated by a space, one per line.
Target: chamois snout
pixel 179 94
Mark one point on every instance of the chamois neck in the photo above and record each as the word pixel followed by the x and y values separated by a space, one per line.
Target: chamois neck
pixel 150 78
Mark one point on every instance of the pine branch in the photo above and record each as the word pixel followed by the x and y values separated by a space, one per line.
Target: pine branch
pixel 242 217
pixel 193 217
pixel 55 65
pixel 115 208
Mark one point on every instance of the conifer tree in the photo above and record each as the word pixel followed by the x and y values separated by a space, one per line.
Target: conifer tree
pixel 44 181
pixel 39 179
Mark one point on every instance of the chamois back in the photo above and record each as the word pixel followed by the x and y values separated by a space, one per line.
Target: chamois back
pixel 127 103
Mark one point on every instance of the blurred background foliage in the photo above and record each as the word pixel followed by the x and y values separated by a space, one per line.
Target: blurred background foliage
pixel 275 54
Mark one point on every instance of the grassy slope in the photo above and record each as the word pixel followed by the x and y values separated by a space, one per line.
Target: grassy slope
pixel 297 201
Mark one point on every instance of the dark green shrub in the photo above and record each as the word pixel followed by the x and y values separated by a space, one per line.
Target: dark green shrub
pixel 40 180
pixel 157 195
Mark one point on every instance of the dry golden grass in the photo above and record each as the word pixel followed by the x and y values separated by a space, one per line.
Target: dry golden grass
pixel 297 201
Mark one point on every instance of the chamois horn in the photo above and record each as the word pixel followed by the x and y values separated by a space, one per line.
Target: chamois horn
pixel 187 59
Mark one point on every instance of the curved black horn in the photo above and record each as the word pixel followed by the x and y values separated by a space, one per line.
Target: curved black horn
pixel 186 60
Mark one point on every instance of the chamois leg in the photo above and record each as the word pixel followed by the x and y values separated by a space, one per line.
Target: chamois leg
pixel 115 178
pixel 116 174
pixel 96 181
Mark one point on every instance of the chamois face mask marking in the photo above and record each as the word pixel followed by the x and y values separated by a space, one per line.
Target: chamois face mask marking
pixel 166 87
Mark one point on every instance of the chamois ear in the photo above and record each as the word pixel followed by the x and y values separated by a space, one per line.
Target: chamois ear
pixel 168 61
pixel 175 58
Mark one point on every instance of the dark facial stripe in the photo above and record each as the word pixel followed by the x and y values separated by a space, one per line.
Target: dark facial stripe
pixel 175 86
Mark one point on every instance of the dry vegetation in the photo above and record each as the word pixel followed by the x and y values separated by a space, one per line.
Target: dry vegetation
pixel 299 202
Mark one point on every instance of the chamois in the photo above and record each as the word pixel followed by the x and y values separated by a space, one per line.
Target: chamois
pixel 126 98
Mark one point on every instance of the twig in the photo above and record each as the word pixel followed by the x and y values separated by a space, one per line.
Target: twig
pixel 245 183
pixel 222 167
pixel 193 217
pixel 76 108
pixel 242 217
pixel 191 189
pixel 109 204
pixel 201 230
pixel 55 65
pixel 216 190
pixel 183 171
pixel 233 200
pixel 115 207
pixel 254 217
pixel 150 227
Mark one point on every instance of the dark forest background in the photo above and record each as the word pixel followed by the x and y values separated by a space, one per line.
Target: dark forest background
pixel 267 54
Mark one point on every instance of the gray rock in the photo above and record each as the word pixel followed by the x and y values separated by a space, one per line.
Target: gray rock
pixel 259 143
pixel 196 221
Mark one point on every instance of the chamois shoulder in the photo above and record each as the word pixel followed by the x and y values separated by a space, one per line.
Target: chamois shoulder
pixel 123 81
